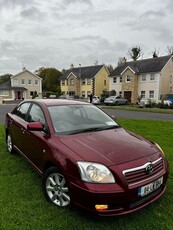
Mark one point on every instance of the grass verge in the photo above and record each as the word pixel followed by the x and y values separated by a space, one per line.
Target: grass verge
pixel 138 109
pixel 23 206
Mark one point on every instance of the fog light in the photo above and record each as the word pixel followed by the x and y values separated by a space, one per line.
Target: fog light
pixel 100 207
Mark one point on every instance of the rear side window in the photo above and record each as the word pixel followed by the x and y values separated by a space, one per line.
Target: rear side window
pixel 22 110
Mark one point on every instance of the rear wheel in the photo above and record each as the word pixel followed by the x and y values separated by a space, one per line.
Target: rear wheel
pixel 55 187
pixel 9 144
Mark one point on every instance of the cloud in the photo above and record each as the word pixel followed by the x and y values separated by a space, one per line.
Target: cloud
pixel 32 13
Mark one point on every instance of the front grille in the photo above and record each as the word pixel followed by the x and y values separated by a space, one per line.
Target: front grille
pixel 137 175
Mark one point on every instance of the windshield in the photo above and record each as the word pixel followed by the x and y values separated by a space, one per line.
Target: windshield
pixel 72 119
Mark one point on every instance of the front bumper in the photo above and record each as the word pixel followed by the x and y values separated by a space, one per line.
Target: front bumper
pixel 119 201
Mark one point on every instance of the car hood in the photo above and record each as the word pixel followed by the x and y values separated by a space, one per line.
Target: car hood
pixel 109 147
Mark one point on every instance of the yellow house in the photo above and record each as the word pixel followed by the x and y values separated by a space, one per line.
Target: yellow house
pixel 21 86
pixel 82 81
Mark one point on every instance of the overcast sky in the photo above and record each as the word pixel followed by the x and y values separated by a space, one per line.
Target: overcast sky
pixel 57 33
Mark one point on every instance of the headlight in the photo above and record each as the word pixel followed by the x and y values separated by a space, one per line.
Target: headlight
pixel 95 172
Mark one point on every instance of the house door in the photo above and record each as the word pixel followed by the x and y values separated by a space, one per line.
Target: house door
pixel 128 95
pixel 18 95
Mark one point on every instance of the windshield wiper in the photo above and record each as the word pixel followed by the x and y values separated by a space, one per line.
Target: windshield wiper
pixel 95 129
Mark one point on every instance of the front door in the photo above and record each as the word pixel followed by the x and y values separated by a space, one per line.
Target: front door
pixel 128 95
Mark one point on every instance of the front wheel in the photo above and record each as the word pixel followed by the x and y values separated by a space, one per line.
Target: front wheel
pixel 55 187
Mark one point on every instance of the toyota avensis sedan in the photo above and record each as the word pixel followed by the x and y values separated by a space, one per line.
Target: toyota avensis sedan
pixel 85 158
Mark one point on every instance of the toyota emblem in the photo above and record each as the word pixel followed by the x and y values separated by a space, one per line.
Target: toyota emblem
pixel 149 169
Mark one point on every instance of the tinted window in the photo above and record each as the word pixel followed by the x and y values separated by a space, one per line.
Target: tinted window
pixel 21 111
pixel 36 114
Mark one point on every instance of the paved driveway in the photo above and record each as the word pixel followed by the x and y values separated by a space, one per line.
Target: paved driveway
pixel 5 108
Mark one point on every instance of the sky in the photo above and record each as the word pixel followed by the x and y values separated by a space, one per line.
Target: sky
pixel 58 33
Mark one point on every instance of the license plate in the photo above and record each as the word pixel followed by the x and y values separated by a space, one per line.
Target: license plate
pixel 145 190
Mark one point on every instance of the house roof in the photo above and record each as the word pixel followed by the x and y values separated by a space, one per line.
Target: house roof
pixel 7 85
pixel 25 70
pixel 83 72
pixel 142 66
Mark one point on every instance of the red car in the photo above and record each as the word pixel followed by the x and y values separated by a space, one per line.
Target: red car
pixel 85 158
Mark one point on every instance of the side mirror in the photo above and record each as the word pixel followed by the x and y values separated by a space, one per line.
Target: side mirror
pixel 35 126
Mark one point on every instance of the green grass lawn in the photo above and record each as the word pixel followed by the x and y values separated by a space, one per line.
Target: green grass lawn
pixel 23 206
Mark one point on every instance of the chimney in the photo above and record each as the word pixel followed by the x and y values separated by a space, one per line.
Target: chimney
pixel 71 66
pixel 122 60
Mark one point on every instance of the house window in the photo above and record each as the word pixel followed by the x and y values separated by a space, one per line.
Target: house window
pixel 63 82
pixel 121 79
pixel 16 82
pixel 83 81
pixel 4 93
pixel 120 93
pixel 151 94
pixel 170 89
pixel 143 77
pixel 72 81
pixel 29 82
pixel 142 94
pixel 22 81
pixel 36 82
pixel 104 82
pixel 83 94
pixel 31 93
pixel 128 78
pixel 88 93
pixel 115 80
pixel 71 93
pixel 89 81
pixel 171 79
pixel 152 77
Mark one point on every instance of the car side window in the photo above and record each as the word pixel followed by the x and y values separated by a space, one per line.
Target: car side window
pixel 22 110
pixel 36 114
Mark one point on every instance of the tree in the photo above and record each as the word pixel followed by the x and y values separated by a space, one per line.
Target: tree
pixel 135 52
pixel 50 78
pixel 110 68
pixel 170 50
pixel 155 53
pixel 5 77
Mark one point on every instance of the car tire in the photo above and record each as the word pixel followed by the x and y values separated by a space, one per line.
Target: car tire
pixel 9 143
pixel 55 187
pixel 116 103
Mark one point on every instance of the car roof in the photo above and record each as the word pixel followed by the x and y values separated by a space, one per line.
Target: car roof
pixel 49 102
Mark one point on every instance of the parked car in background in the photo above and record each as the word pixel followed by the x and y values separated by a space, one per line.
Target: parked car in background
pixel 115 100
pixel 70 97
pixel 85 157
pixel 95 100
pixel 52 96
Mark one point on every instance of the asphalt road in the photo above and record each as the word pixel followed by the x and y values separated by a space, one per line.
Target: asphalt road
pixel 5 108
